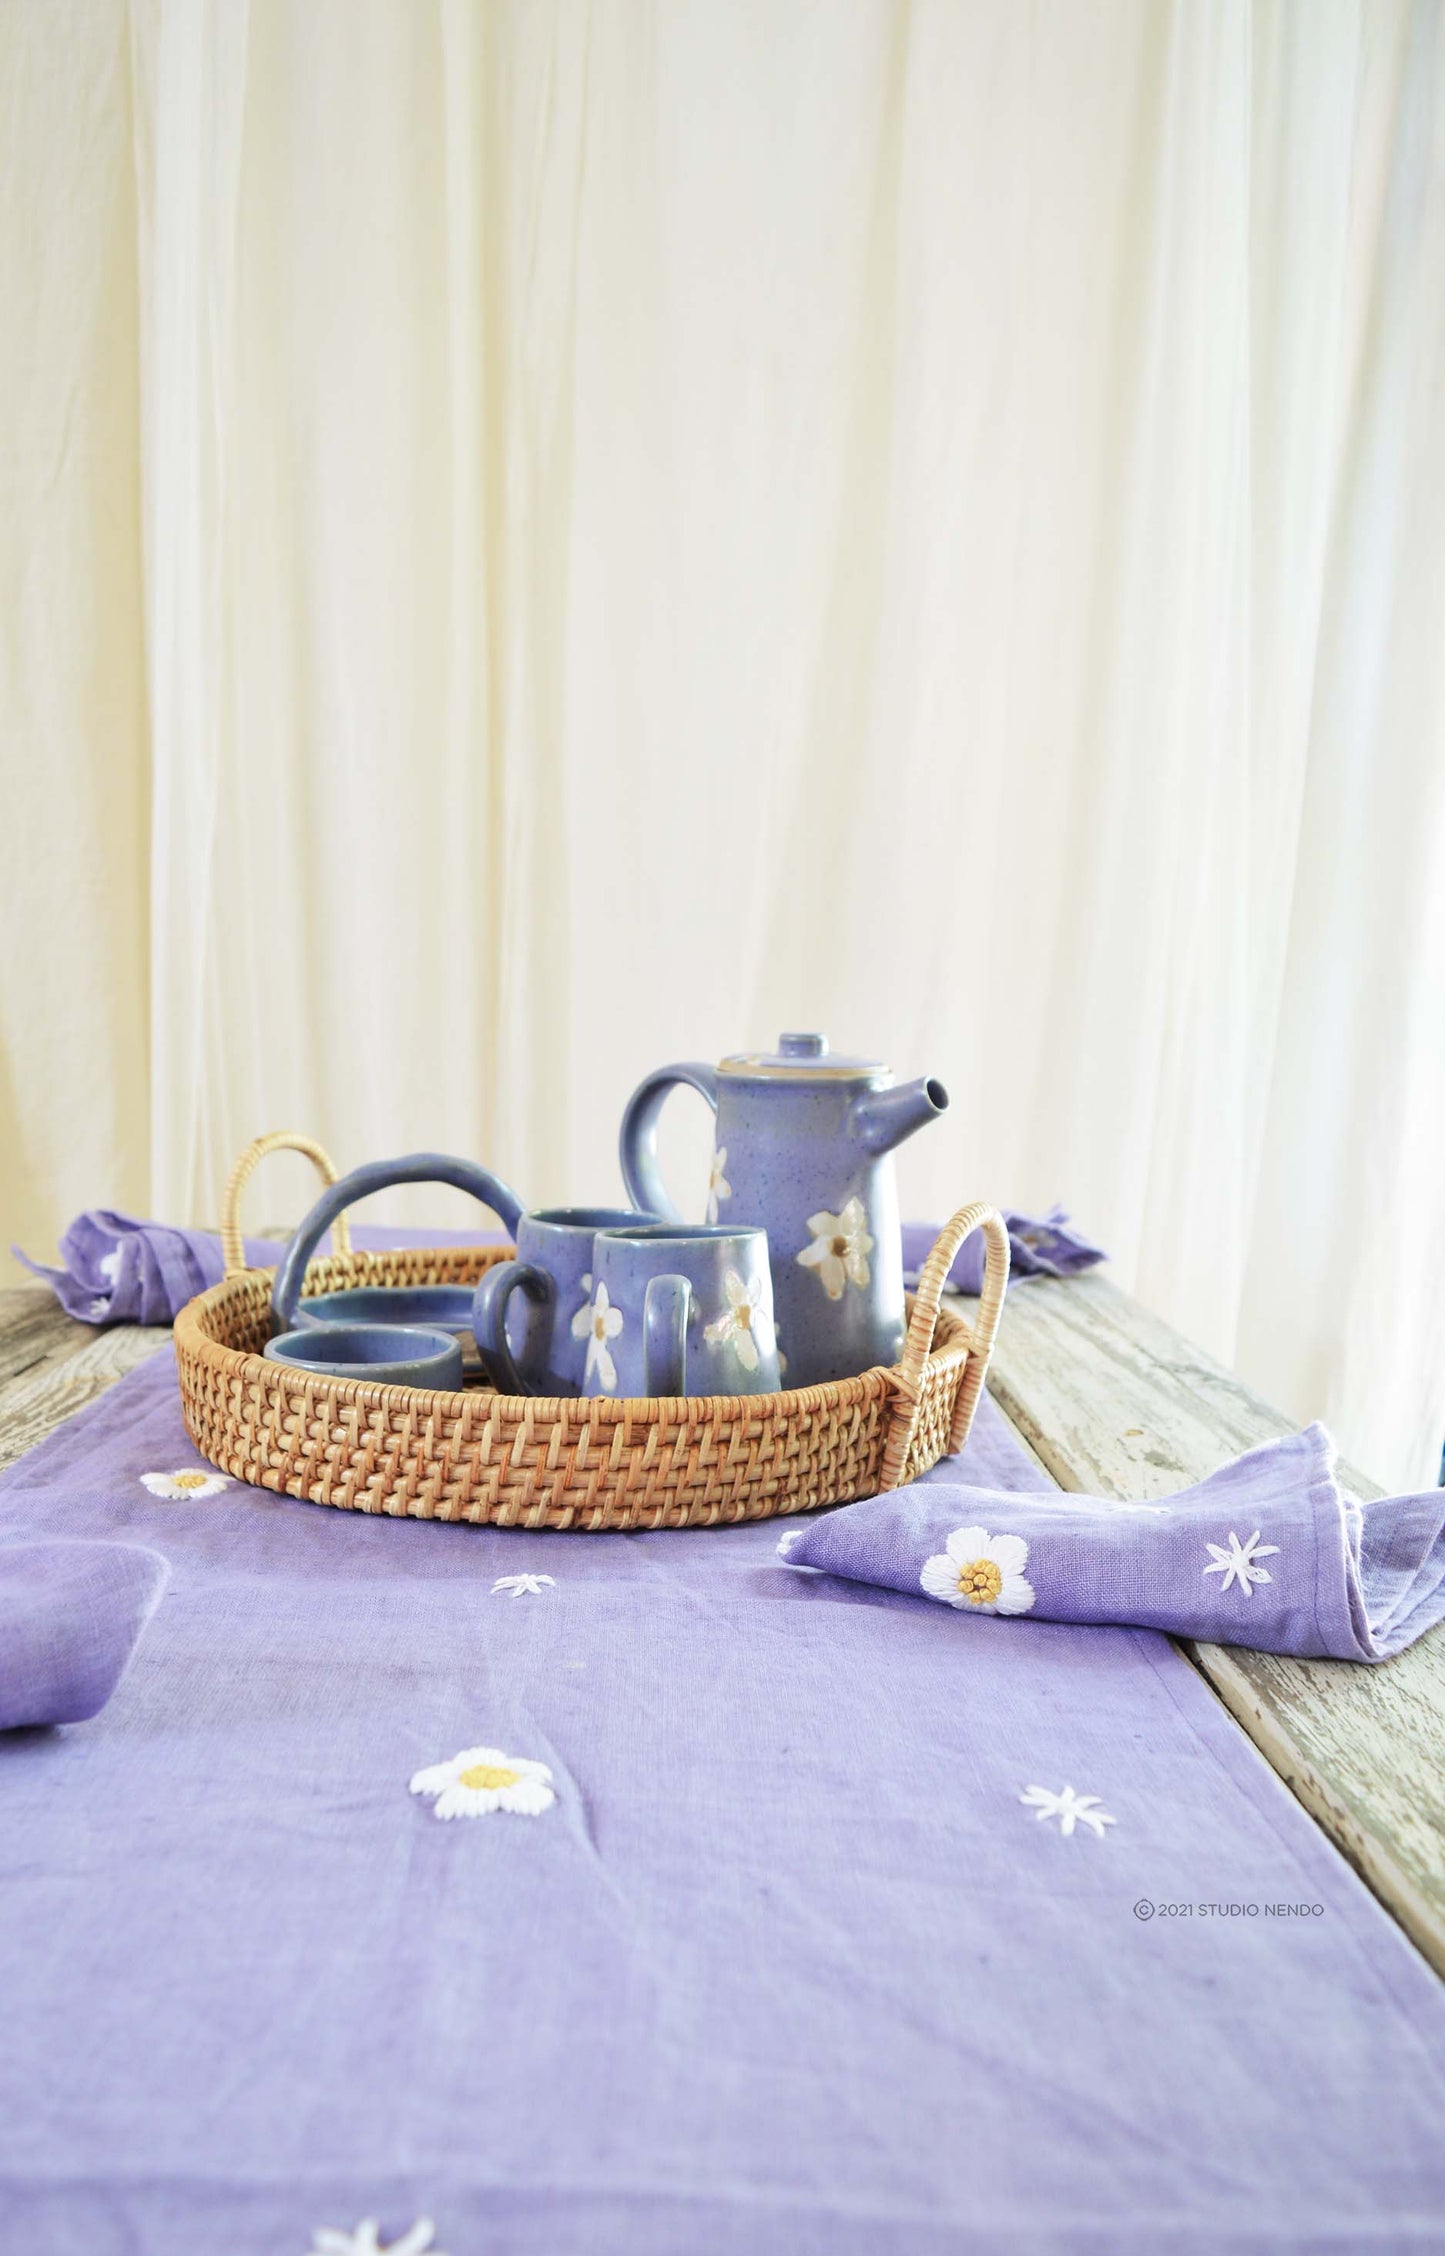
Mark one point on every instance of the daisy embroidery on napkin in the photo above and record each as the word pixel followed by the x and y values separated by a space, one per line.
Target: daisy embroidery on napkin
pixel 521 1585
pixel 1237 1564
pixel 365 2241
pixel 980 1570
pixel 176 1487
pixel 840 1248
pixel 1069 1808
pixel 598 1322
pixel 482 1779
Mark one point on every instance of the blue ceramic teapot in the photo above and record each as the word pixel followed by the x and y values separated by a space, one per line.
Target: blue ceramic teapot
pixel 802 1151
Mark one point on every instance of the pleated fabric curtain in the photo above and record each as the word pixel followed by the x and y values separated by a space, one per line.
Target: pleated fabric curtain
pixel 546 538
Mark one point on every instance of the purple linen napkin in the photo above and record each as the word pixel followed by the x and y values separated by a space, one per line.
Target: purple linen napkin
pixel 71 1616
pixel 1046 1247
pixel 1268 1552
pixel 121 1271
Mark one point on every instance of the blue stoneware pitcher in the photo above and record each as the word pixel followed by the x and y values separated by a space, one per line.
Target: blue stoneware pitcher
pixel 377 1304
pixel 803 1147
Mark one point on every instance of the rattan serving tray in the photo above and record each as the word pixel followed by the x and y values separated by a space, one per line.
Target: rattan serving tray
pixel 536 1461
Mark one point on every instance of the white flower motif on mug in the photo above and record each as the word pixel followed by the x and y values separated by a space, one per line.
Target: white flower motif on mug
pixel 718 1186
pixel 981 1571
pixel 840 1249
pixel 746 1323
pixel 366 2240
pixel 182 1487
pixel 598 1322
pixel 482 1779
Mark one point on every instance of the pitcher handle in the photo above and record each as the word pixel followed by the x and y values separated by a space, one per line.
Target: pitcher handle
pixel 637 1145
pixel 380 1175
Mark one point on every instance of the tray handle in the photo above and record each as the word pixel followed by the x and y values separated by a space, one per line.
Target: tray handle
pixel 908 1377
pixel 233 1245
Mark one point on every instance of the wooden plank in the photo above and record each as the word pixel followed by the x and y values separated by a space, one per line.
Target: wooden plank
pixel 1115 1403
pixel 51 1366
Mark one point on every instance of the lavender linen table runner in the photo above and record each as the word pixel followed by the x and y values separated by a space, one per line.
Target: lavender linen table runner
pixel 827 1933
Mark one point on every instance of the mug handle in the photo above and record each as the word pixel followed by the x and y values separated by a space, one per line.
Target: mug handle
pixel 637 1144
pixel 489 1320
pixel 665 1306
pixel 380 1175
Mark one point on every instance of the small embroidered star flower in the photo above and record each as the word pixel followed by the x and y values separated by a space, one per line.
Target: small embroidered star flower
pixel 365 2241
pixel 110 1266
pixel 482 1779
pixel 597 1321
pixel 747 1321
pixel 1069 1808
pixel 786 1542
pixel 177 1487
pixel 1237 1563
pixel 718 1186
pixel 840 1249
pixel 980 1570
pixel 521 1585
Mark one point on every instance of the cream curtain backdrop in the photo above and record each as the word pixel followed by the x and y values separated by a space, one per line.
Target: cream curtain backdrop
pixel 540 539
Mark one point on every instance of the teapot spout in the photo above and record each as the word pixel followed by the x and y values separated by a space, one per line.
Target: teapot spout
pixel 885 1116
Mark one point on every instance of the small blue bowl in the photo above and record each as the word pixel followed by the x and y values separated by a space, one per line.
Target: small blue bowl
pixel 387 1354
pixel 440 1308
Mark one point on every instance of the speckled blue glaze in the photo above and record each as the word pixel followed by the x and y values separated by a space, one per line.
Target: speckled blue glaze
pixel 665 1284
pixel 800 1133
pixel 524 1310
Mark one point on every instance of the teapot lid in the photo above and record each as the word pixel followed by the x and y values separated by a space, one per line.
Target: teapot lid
pixel 802 1057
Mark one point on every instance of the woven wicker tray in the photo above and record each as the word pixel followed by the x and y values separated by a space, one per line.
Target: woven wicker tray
pixel 537 1461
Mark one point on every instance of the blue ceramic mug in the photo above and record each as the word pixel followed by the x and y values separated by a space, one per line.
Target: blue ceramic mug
pixel 680 1308
pixel 379 1303
pixel 530 1316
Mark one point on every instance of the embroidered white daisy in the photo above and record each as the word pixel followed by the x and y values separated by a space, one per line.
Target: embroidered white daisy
pixel 747 1321
pixel 980 1570
pixel 179 1487
pixel 597 1321
pixel 786 1542
pixel 482 1779
pixel 110 1266
pixel 365 2241
pixel 1237 1563
pixel 522 1585
pixel 1069 1808
pixel 718 1186
pixel 840 1249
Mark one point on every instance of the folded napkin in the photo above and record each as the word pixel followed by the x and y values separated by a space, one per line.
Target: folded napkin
pixel 1269 1552
pixel 71 1615
pixel 1049 1246
pixel 120 1271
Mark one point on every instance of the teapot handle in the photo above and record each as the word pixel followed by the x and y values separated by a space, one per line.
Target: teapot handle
pixel 637 1145
pixel 380 1175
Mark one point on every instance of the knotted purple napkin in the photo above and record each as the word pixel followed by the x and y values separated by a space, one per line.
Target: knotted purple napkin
pixel 120 1271
pixel 1038 1247
pixel 71 1616
pixel 1269 1552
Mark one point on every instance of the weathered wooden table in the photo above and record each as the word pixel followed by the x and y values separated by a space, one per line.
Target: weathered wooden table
pixel 1113 1403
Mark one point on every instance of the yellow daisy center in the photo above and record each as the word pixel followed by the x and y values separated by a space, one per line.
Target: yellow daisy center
pixel 189 1480
pixel 599 1329
pixel 980 1582
pixel 488 1776
pixel 840 1247
pixel 744 1316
